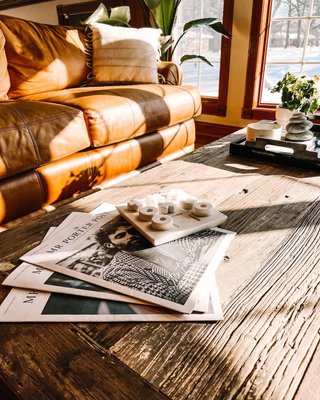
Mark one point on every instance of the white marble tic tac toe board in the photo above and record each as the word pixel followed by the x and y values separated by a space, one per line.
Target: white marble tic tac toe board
pixel 165 217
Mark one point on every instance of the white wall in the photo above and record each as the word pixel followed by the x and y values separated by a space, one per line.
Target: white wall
pixel 41 12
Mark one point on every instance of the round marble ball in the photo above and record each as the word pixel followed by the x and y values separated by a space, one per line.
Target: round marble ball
pixel 298 128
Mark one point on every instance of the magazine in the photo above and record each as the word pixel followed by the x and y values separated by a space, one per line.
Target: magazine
pixel 38 278
pixel 30 276
pixel 109 252
pixel 23 305
pixel 34 277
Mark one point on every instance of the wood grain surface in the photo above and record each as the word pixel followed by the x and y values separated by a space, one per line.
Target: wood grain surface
pixel 266 347
pixel 265 344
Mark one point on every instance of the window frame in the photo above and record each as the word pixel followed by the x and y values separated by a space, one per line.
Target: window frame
pixel 218 105
pixel 259 34
pixel 258 47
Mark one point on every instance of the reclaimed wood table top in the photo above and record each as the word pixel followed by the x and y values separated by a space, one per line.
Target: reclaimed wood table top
pixel 267 346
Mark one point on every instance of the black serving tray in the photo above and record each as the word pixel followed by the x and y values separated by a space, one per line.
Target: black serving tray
pixel 280 151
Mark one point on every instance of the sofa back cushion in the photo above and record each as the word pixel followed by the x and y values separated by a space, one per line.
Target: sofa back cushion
pixel 4 76
pixel 37 133
pixel 124 55
pixel 43 57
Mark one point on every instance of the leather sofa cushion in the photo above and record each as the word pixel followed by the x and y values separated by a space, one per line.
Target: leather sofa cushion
pixel 35 133
pixel 79 172
pixel 117 113
pixel 4 76
pixel 92 167
pixel 20 195
pixel 43 57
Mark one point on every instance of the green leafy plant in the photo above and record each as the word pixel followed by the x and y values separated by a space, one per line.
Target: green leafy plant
pixel 118 16
pixel 163 15
pixel 298 92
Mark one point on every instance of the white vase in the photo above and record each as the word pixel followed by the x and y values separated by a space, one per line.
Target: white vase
pixel 282 116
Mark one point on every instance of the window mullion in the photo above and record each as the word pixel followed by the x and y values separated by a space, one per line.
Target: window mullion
pixel 200 44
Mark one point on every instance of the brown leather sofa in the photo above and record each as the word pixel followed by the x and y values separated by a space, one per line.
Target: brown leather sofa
pixel 59 136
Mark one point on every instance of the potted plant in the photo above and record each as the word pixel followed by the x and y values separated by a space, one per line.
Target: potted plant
pixel 298 93
pixel 163 15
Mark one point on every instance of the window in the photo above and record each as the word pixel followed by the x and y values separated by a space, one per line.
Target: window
pixel 285 36
pixel 212 82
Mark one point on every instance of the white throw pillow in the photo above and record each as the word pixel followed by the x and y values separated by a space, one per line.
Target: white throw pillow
pixel 124 55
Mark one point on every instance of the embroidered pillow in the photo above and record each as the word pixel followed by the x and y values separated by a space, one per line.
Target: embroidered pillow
pixel 124 55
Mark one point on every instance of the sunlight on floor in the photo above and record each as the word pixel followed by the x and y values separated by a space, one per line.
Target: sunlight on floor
pixel 242 167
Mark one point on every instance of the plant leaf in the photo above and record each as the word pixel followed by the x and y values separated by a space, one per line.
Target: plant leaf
pixel 188 57
pixel 210 23
pixel 198 22
pixel 114 22
pixel 165 15
pixel 152 3
pixel 121 14
pixel 100 13
pixel 165 45
pixel 218 27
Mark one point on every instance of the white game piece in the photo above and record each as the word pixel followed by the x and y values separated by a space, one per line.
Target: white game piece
pixel 202 208
pixel 188 202
pixel 152 200
pixel 161 222
pixel 167 207
pixel 146 213
pixel 175 194
pixel 135 204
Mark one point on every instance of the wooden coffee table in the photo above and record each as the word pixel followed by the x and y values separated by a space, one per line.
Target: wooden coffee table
pixel 267 346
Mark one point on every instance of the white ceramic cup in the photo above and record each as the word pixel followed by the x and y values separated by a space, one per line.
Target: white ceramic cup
pixel 263 130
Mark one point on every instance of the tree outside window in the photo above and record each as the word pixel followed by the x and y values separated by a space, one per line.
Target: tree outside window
pixel 202 41
pixel 285 37
pixel 212 81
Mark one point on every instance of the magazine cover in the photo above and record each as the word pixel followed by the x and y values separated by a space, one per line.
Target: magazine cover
pixel 23 305
pixel 109 252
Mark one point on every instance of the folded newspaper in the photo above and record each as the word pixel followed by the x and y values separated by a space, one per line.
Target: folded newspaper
pixel 102 256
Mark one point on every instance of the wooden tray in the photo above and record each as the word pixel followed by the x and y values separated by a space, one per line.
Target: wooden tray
pixel 280 151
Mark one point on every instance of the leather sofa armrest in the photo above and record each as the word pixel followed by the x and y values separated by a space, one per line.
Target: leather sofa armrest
pixel 169 73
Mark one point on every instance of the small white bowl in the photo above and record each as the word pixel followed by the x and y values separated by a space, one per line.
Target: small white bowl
pixel 264 130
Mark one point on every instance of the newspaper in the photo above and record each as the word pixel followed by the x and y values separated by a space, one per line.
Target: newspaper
pixel 105 250
pixel 23 305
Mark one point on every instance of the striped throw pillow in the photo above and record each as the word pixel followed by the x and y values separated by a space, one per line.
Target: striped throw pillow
pixel 124 55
